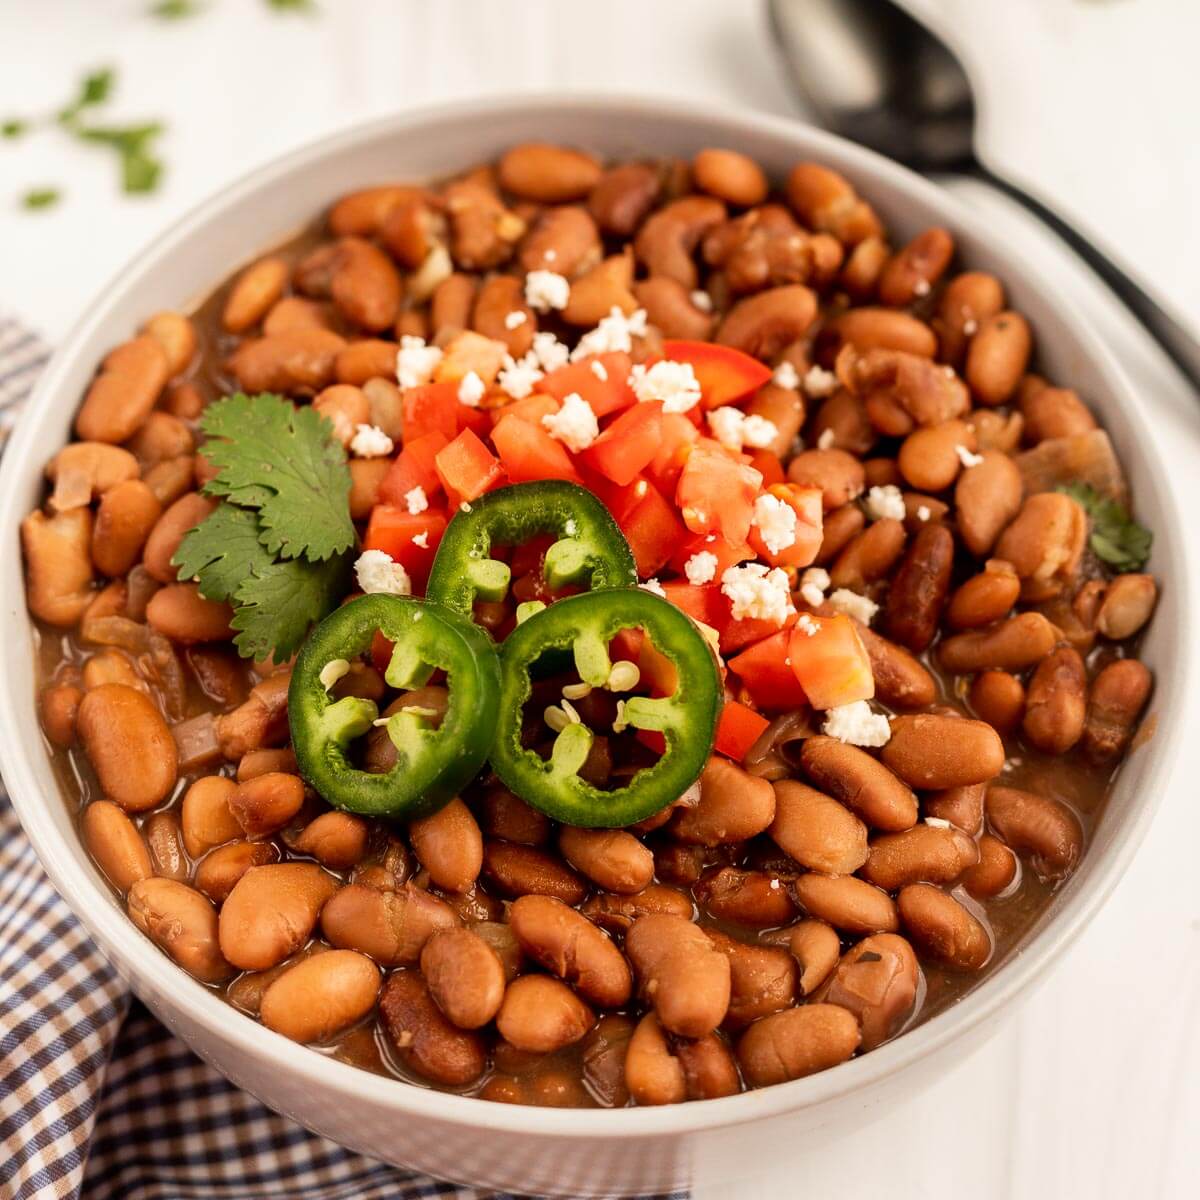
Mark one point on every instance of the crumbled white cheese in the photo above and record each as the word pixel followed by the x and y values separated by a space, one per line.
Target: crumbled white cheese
pixel 652 585
pixel 599 370
pixel 819 383
pixel 786 375
pixel 939 823
pixel 734 429
pixel 921 287
pixel 615 332
pixel 545 290
pixel 471 389
pixel 369 441
pixel 758 431
pixel 970 327
pixel 966 457
pixel 813 584
pixel 416 501
pixel 549 352
pixel 518 376
pixel 885 501
pixel 923 512
pixel 332 671
pixel 853 605
pixel 415 361
pixel 515 319
pixel 674 383
pixel 574 424
pixel 756 592
pixel 701 567
pixel 421 539
pixel 807 625
pixel 776 521
pixel 550 255
pixel 826 440
pixel 376 572
pixel 857 725
pixel 702 300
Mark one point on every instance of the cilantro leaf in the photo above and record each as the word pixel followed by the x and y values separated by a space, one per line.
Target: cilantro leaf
pixel 1116 538
pixel 95 89
pixel 13 127
pixel 37 198
pixel 174 10
pixel 222 551
pixel 140 168
pixel 277 604
pixel 285 462
pixel 304 6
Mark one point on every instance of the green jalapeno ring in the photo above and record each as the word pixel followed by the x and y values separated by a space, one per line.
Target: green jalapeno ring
pixel 584 625
pixel 432 765
pixel 590 544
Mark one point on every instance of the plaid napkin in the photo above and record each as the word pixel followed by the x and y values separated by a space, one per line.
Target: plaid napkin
pixel 97 1099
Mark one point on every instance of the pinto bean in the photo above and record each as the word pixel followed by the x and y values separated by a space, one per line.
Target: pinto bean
pixel 563 239
pixel 161 438
pixel 113 841
pixel 764 323
pixel 884 329
pixel 185 513
pixel 847 903
pixel 271 912
pixel 734 806
pixel 994 872
pixel 542 1014
pixel 961 806
pixel 510 819
pixel 337 840
pixel 817 831
pixel 730 176
pixel 266 803
pixel 987 498
pixel 826 200
pixel 1045 543
pixel 928 458
pixel 860 782
pixel 58 565
pixel 622 197
pixel 617 913
pixel 1056 702
pixel 680 972
pixel 546 173
pixel 465 976
pixel 129 746
pixel 920 587
pixel 254 293
pixel 1041 827
pixel 1052 412
pixel 709 1068
pixel 365 285
pixel 914 269
pixel 172 479
pixel 876 980
pixel 518 870
pixel 985 597
pixel 797 1042
pixel 943 929
pixel 59 707
pixel 931 751
pixel 300 361
pixel 998 356
pixel 841 423
pixel 611 858
pixel 968 300
pixel 901 681
pixel 449 846
pixel 295 313
pixel 670 309
pixel 1118 695
pixel 182 923
pixel 815 946
pixel 567 943
pixel 928 853
pixel 840 526
pixel 124 519
pixel 762 979
pixel 181 613
pixel 426 1042
pixel 127 388
pixel 164 839
pixel 756 898
pixel 668 239
pixel 839 476
pixel 653 1074
pixel 999 699
pixel 318 997
pixel 1012 645
pixel 869 556
pixel 1128 602
pixel 864 265
pixel 219 872
pixel 390 926
pixel 207 817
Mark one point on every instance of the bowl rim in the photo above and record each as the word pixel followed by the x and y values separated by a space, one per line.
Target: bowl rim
pixel 93 904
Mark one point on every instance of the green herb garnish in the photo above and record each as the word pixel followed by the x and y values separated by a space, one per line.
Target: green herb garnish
pixel 37 198
pixel 140 167
pixel 278 546
pixel 13 128
pixel 304 6
pixel 175 10
pixel 95 89
pixel 1116 538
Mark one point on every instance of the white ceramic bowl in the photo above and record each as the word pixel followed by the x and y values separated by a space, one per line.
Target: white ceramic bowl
pixel 577 1153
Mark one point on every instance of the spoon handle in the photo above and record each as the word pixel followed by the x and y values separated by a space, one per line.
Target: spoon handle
pixel 1182 345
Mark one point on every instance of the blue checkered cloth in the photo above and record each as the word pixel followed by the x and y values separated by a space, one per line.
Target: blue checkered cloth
pixel 97 1099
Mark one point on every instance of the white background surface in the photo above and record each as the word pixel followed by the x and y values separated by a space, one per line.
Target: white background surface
pixel 1094 1088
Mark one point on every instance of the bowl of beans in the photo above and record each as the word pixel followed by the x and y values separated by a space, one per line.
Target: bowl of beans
pixel 647 615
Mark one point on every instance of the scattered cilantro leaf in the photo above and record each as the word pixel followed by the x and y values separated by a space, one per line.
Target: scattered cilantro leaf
pixel 140 167
pixel 303 6
pixel 285 462
pixel 222 551
pixel 38 198
pixel 1116 538
pixel 95 89
pixel 278 604
pixel 14 127
pixel 174 10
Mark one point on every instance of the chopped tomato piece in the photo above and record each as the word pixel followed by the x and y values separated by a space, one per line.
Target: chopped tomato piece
pixel 716 494
pixel 626 645
pixel 430 408
pixel 703 603
pixel 652 530
pixel 528 452
pixel 766 673
pixel 806 504
pixel 393 529
pixel 679 434
pixel 738 729
pixel 652 739
pixel 830 661
pixel 381 652
pixel 620 501
pixel 656 669
pixel 467 468
pixel 531 408
pixel 713 543
pixel 737 634
pixel 725 374
pixel 604 395
pixel 768 466
pixel 413 468
pixel 530 555
pixel 628 444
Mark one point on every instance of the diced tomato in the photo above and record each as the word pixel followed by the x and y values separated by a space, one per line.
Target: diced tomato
pixel 477 420
pixel 531 408
pixel 679 434
pixel 381 652
pixel 620 501
pixel 830 661
pixel 745 631
pixel 725 374
pixel 626 645
pixel 607 395
pixel 716 494
pixel 413 468
pixel 702 602
pixel 806 504
pixel 467 468
pixel 628 444
pixel 768 466
pixel 653 739
pixel 392 530
pixel 652 530
pixel 528 452
pixel 766 673
pixel 529 555
pixel 738 728
pixel 430 408
pixel 657 670
pixel 713 543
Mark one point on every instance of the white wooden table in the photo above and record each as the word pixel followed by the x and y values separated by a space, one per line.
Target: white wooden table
pixel 1094 1088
